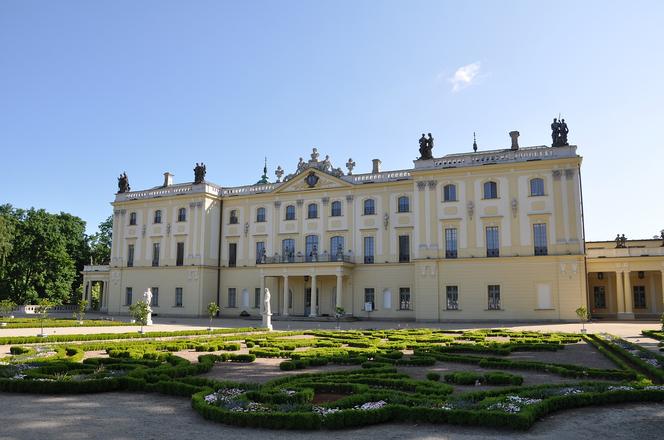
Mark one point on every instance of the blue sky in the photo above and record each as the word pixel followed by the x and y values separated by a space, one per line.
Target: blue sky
pixel 91 89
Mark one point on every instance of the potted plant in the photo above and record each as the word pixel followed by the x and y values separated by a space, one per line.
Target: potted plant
pixel 43 306
pixel 139 311
pixel 80 312
pixel 338 313
pixel 584 316
pixel 7 306
pixel 212 310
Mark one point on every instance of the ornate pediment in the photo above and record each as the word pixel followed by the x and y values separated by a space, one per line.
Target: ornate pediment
pixel 312 179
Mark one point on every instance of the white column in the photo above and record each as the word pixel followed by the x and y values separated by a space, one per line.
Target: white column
pixel 262 306
pixel 340 283
pixel 286 296
pixel 662 287
pixel 314 301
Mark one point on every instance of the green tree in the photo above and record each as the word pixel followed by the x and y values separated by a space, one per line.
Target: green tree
pixel 139 311
pixel 100 242
pixel 212 310
pixel 38 264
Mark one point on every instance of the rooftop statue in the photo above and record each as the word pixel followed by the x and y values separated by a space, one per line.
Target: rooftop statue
pixel 123 183
pixel 426 147
pixel 559 133
pixel 350 165
pixel 314 154
pixel 199 173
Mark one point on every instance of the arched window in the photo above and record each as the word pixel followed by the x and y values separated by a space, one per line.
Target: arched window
pixel 404 204
pixel 311 247
pixel 369 207
pixel 312 210
pixel 337 248
pixel 449 193
pixel 290 212
pixel 132 219
pixel 260 215
pixel 537 187
pixel 336 209
pixel 182 214
pixel 233 217
pixel 490 190
pixel 157 216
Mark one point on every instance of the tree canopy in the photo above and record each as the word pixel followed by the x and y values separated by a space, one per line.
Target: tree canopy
pixel 42 254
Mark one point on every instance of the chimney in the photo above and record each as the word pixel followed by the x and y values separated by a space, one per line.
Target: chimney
pixel 168 179
pixel 376 166
pixel 515 139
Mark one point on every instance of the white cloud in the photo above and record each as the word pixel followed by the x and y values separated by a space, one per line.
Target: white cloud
pixel 465 76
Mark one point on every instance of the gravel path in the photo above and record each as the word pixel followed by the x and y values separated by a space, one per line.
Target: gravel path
pixel 120 416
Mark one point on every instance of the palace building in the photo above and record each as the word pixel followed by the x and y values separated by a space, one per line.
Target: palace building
pixel 491 235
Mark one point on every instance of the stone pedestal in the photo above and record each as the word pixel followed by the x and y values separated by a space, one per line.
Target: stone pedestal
pixel 267 321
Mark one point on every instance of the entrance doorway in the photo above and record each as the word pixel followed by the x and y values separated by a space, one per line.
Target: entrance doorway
pixel 307 301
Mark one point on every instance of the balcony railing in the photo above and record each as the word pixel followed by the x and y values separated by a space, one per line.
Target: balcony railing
pixel 322 258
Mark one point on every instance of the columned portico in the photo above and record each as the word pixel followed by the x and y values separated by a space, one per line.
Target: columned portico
pixel 307 289
pixel 628 310
pixel 96 276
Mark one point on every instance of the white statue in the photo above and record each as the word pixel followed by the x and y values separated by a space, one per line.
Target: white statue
pixel 147 298
pixel 267 311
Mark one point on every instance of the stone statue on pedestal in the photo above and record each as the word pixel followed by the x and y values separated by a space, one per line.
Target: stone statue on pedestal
pixel 123 183
pixel 559 133
pixel 147 298
pixel 267 311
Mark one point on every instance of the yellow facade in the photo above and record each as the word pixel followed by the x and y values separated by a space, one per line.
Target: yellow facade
pixel 494 235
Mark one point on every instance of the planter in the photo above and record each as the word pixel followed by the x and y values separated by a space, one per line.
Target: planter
pixel 583 330
pixel 3 324
pixel 42 335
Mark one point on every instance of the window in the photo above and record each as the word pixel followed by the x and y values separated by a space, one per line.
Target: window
pixel 537 187
pixel 404 204
pixel 257 298
pixel 233 217
pixel 452 297
pixel 369 207
pixel 260 215
pixel 539 233
pixel 260 252
pixel 130 255
pixel 369 297
pixel 179 259
pixel 368 250
pixel 599 297
pixel 231 297
pixel 155 297
pixel 336 209
pixel 182 214
pixel 288 249
pixel 404 248
pixel 128 296
pixel 492 242
pixel 490 190
pixel 290 212
pixel 450 243
pixel 178 297
pixel 312 210
pixel 157 216
pixel 494 297
pixel 449 193
pixel 155 254
pixel 639 297
pixel 404 298
pixel 132 219
pixel 232 254
pixel 311 247
pixel 337 248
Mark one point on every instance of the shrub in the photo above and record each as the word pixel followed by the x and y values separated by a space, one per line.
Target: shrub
pixel 433 376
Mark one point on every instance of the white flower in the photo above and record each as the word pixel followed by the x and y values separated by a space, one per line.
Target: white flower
pixel 620 388
pixel 371 405
pixel 324 411
pixel 655 388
